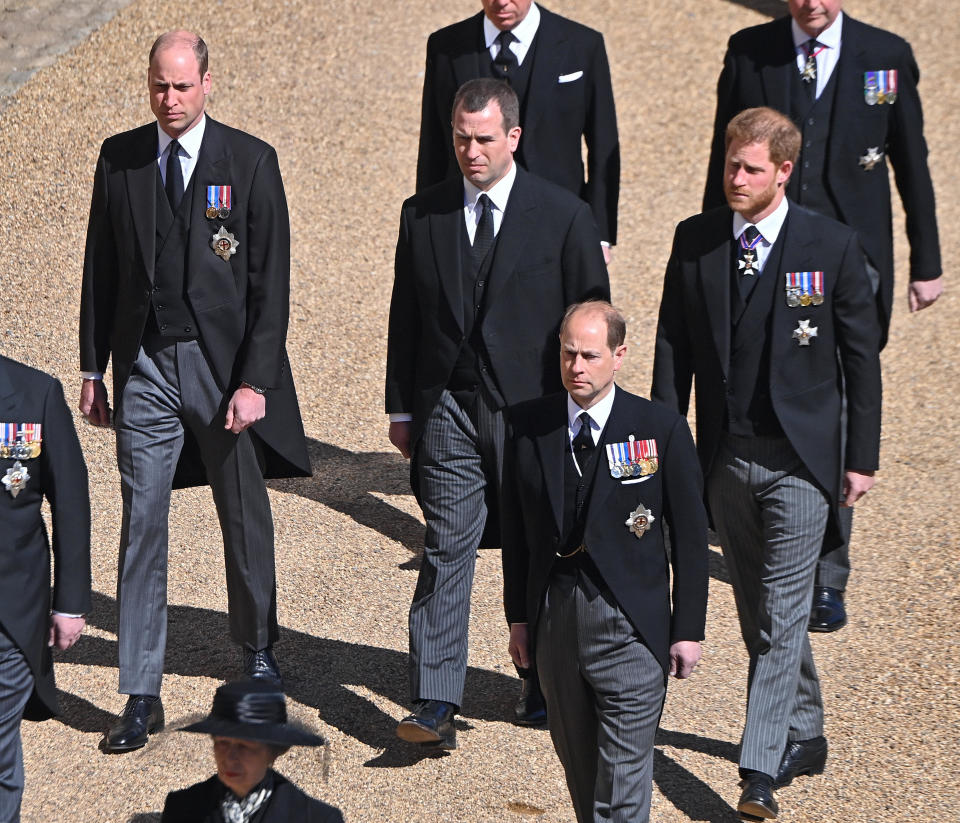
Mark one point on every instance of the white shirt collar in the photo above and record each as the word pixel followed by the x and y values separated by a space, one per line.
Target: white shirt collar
pixel 523 31
pixel 189 142
pixel 769 227
pixel 599 413
pixel 829 37
pixel 499 194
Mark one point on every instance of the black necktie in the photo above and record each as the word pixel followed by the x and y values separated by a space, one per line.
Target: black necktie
pixel 583 440
pixel 748 259
pixel 505 63
pixel 809 72
pixel 174 182
pixel 483 238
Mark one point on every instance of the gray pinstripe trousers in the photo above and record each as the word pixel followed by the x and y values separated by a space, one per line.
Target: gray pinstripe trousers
pixel 171 387
pixel 604 692
pixel 771 518
pixel 16 686
pixel 459 453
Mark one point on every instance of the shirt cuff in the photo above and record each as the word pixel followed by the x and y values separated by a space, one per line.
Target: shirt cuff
pixel 400 417
pixel 65 614
pixel 92 375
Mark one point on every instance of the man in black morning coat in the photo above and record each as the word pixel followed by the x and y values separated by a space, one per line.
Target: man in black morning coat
pixel 850 134
pixel 559 70
pixel 485 266
pixel 40 458
pixel 186 287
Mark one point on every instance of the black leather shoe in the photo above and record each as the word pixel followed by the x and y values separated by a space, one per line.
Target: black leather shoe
pixel 757 797
pixel 828 613
pixel 142 716
pixel 262 665
pixel 530 709
pixel 431 723
pixel 801 757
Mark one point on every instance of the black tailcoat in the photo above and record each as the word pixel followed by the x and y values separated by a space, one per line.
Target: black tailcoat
pixel 59 475
pixel 241 306
pixel 561 108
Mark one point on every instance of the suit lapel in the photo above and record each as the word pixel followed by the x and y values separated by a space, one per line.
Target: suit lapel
pixel 776 71
pixel 617 430
pixel 446 228
pixel 551 447
pixel 799 254
pixel 212 169
pixel 8 395
pixel 516 229
pixel 849 74
pixel 141 179
pixel 714 273
pixel 548 57
pixel 468 64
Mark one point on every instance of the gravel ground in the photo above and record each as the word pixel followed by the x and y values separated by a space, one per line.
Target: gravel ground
pixel 336 88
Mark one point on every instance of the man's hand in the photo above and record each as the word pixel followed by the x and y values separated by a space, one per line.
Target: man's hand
pixel 923 293
pixel 607 253
pixel 855 486
pixel 684 656
pixel 519 645
pixel 65 631
pixel 246 408
pixel 93 402
pixel 400 437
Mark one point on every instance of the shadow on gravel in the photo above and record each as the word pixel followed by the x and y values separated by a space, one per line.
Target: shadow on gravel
pixel 684 790
pixel 150 817
pixel 772 8
pixel 348 483
pixel 331 676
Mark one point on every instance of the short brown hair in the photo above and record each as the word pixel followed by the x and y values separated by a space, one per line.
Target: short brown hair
pixel 474 95
pixel 764 125
pixel 616 325
pixel 183 38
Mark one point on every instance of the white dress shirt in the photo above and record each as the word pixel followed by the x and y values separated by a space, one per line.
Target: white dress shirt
pixel 769 229
pixel 524 32
pixel 827 57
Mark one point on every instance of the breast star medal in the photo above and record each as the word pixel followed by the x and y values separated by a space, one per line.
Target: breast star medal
pixel 224 244
pixel 804 333
pixel 16 478
pixel 748 263
pixel 640 520
pixel 871 158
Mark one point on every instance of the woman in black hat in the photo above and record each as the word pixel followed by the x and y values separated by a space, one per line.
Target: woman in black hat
pixel 248 724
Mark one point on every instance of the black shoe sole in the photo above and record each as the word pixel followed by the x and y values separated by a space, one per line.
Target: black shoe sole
pixel 414 732
pixel 824 629
pixel 756 810
pixel 531 721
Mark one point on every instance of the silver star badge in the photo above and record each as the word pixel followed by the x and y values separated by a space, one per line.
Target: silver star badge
pixel 15 478
pixel 640 520
pixel 871 158
pixel 748 263
pixel 224 243
pixel 804 332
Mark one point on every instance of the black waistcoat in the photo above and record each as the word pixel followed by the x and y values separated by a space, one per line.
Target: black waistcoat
pixel 577 490
pixel 171 311
pixel 749 409
pixel 520 82
pixel 808 184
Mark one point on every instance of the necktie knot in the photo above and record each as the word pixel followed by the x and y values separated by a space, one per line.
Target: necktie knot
pixel 748 261
pixel 483 236
pixel 505 63
pixel 752 233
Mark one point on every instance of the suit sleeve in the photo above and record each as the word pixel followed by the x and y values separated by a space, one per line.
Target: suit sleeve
pixel 435 146
pixel 403 334
pixel 99 288
pixel 858 342
pixel 261 357
pixel 66 489
pixel 687 520
pixel 515 554
pixel 584 270
pixel 673 358
pixel 727 108
pixel 603 147
pixel 907 150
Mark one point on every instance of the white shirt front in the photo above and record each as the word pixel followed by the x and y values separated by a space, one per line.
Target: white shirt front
pixel 769 229
pixel 524 32
pixel 827 57
pixel 189 150
pixel 499 194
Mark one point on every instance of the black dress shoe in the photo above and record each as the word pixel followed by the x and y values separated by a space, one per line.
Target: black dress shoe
pixel 801 757
pixel 530 709
pixel 262 665
pixel 142 716
pixel 828 613
pixel 757 797
pixel 431 723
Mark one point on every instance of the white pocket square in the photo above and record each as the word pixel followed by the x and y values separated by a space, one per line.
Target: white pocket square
pixel 569 78
pixel 635 480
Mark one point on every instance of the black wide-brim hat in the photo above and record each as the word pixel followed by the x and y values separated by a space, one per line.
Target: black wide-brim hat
pixel 253 710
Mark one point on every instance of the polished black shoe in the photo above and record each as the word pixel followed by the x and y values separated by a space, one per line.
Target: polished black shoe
pixel 828 613
pixel 530 709
pixel 142 716
pixel 262 665
pixel 801 757
pixel 431 723
pixel 757 798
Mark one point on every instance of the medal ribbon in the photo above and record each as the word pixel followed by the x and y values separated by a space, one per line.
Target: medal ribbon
pixel 817 282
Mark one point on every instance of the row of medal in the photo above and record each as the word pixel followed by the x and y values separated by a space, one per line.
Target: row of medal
pixel 219 204
pixel 804 288
pixel 20 441
pixel 634 458
pixel 880 87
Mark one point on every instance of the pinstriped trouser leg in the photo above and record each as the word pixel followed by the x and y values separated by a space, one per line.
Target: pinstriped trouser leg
pixel 458 455
pixel 16 685
pixel 604 691
pixel 771 518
